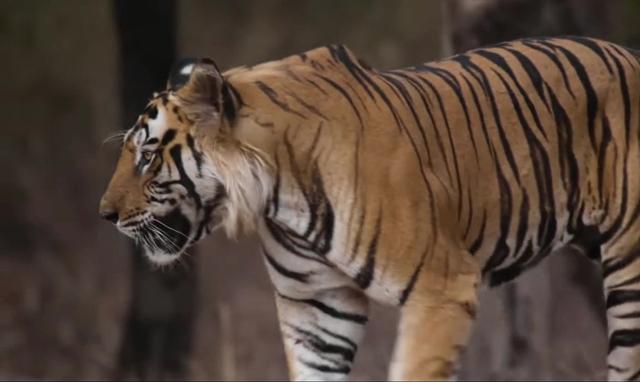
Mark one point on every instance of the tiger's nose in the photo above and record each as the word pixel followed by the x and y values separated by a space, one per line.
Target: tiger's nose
pixel 108 212
pixel 110 216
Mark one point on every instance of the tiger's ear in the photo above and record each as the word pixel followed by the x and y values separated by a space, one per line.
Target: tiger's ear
pixel 204 85
pixel 180 73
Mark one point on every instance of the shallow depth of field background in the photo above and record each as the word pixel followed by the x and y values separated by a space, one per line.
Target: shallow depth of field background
pixel 75 300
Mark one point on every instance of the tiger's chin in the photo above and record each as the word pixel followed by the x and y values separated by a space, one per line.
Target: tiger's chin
pixel 165 238
pixel 160 257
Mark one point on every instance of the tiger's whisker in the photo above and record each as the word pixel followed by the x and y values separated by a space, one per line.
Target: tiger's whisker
pixel 114 137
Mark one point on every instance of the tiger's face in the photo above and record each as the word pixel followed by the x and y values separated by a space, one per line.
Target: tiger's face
pixel 166 192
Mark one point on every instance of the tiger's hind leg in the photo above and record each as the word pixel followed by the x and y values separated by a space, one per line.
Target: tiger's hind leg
pixel 436 319
pixel 621 277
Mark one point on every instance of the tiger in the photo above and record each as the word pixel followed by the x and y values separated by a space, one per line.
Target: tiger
pixel 410 187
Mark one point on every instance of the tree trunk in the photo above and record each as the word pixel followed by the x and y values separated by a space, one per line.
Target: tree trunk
pixel 548 324
pixel 158 330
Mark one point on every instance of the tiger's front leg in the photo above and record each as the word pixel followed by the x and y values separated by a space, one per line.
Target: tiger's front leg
pixel 321 333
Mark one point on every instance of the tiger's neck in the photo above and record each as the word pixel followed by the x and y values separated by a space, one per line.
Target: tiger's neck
pixel 283 143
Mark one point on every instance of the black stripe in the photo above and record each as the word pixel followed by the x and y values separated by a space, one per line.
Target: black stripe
pixel 168 136
pixel 483 123
pixel 523 222
pixel 312 189
pixel 292 242
pixel 624 89
pixel 583 76
pixel 316 65
pixel 321 244
pixel 151 111
pixel 297 276
pixel 330 311
pixel 617 368
pixel 209 207
pixel 197 155
pixel 356 245
pixel 339 53
pixel 401 127
pixel 346 96
pixel 326 369
pixel 635 376
pixel 512 271
pixel 617 222
pixel 427 105
pixel 626 282
pixel 542 171
pixel 273 96
pixel 164 97
pixel 469 219
pixel 274 206
pixel 502 63
pixel 632 217
pixel 444 114
pixel 619 297
pixel 421 130
pixel 554 58
pixel 393 82
pixel 602 152
pixel 615 226
pixel 406 292
pixel 185 181
pixel 629 315
pixel 610 266
pixel 362 76
pixel 453 83
pixel 384 77
pixel 228 102
pixel 624 338
pixel 321 90
pixel 568 161
pixel 308 106
pixel 477 242
pixel 322 346
pixel 589 43
pixel 153 199
pixel 532 71
pixel 622 53
pixel 342 338
pixel 466 63
pixel 501 250
pixel 365 274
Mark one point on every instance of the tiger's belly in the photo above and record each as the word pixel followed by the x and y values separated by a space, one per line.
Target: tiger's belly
pixel 386 256
pixel 298 271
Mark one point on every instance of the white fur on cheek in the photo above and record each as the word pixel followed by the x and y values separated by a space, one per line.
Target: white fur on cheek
pixel 139 137
pixel 158 126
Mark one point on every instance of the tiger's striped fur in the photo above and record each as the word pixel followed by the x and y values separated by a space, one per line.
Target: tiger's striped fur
pixel 405 186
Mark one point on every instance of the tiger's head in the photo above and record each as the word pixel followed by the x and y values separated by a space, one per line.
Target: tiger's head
pixel 181 172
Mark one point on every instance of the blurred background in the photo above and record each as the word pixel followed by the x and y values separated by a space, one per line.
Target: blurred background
pixel 78 302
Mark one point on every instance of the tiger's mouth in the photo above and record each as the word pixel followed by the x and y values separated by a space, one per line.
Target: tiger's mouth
pixel 164 238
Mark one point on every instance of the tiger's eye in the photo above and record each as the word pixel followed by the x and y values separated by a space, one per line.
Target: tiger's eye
pixel 147 155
